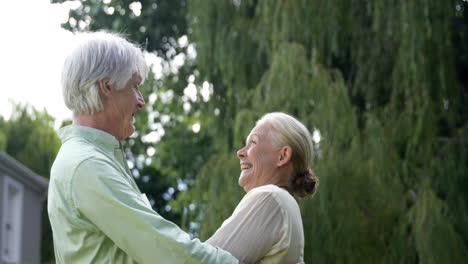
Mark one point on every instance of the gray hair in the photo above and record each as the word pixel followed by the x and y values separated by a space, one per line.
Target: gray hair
pixel 288 131
pixel 98 56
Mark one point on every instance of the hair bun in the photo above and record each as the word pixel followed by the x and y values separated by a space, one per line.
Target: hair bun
pixel 304 184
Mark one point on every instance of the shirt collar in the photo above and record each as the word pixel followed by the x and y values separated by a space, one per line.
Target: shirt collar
pixel 96 136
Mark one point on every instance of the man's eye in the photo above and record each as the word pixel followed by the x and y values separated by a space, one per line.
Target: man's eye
pixel 253 142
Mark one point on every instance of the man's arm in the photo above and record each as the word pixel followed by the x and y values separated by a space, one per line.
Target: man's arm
pixel 103 195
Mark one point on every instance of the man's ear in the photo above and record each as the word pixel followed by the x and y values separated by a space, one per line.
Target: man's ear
pixel 285 155
pixel 104 87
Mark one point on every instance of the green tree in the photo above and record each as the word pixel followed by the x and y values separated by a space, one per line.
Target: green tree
pixel 155 24
pixel 3 135
pixel 32 139
pixel 383 84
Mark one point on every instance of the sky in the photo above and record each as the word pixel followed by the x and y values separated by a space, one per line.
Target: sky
pixel 32 52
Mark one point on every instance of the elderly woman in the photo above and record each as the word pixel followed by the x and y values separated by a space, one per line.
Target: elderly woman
pixel 266 226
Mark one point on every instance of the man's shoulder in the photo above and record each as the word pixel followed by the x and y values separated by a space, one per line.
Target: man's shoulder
pixel 73 153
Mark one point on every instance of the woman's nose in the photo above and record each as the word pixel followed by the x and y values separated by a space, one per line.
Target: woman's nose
pixel 241 153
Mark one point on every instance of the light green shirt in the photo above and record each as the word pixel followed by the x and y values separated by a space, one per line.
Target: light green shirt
pixel 98 214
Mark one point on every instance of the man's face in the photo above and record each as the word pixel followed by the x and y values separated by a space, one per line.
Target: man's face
pixel 122 105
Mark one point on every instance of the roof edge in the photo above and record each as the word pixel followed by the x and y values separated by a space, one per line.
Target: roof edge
pixel 22 173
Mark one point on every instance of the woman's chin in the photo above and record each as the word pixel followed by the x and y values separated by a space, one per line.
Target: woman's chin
pixel 243 179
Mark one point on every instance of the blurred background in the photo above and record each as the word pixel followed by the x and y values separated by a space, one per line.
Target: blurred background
pixel 382 86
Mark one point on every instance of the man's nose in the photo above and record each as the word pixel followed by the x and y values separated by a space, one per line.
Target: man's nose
pixel 141 101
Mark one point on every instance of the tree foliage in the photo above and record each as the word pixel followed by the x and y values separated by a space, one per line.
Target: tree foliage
pixel 155 24
pixel 383 84
pixel 30 138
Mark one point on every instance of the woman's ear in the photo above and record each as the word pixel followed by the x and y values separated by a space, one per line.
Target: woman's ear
pixel 104 87
pixel 285 155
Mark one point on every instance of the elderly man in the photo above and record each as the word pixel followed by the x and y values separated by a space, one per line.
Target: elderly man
pixel 97 212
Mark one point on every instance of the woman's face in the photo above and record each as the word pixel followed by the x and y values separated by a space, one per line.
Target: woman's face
pixel 258 158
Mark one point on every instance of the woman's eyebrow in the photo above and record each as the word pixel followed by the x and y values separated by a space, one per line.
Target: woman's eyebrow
pixel 250 137
pixel 247 140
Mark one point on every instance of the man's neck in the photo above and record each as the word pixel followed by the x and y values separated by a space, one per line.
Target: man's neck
pixel 95 120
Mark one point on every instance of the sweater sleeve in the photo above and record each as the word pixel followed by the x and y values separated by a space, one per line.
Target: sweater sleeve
pixel 253 230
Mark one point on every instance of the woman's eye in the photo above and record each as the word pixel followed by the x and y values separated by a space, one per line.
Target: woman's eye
pixel 253 142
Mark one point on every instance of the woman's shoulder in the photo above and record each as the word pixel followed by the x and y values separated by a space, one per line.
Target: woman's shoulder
pixel 270 188
pixel 282 196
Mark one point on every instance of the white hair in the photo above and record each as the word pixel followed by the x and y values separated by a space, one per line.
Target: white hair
pixel 99 56
pixel 286 130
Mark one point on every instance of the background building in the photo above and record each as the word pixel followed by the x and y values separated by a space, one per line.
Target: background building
pixel 22 193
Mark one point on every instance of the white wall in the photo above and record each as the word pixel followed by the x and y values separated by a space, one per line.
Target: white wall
pixel 11 219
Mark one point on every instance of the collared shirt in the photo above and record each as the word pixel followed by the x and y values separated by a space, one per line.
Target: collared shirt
pixel 266 228
pixel 98 214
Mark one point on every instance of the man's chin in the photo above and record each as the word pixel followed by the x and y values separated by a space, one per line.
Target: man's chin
pixel 127 133
pixel 131 132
